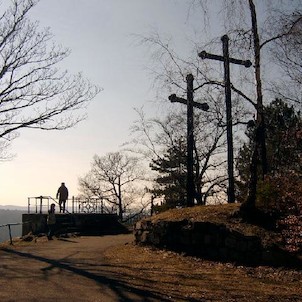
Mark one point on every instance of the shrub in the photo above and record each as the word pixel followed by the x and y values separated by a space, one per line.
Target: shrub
pixel 282 194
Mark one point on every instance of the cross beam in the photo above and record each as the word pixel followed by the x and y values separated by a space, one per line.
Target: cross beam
pixel 205 55
pixel 226 59
pixel 175 99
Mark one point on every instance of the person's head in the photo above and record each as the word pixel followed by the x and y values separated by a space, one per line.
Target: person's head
pixel 63 184
pixel 52 207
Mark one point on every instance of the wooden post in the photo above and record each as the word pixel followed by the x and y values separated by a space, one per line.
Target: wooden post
pixel 28 205
pixel 228 100
pixel 229 120
pixel 190 142
pixel 190 133
pixel 41 202
pixel 10 234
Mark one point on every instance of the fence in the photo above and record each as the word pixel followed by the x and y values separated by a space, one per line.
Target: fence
pixel 9 229
pixel 41 204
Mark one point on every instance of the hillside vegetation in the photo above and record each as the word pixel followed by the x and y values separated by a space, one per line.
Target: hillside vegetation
pixel 266 226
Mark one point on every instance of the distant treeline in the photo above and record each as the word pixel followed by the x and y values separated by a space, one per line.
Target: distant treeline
pixel 10 216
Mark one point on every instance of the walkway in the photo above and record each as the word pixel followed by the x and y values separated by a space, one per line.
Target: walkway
pixel 110 269
pixel 72 269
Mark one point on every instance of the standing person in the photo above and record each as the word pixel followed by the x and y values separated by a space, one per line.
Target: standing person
pixel 51 221
pixel 62 194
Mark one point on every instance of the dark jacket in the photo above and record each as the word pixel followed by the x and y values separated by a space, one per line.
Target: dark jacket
pixel 62 193
pixel 51 218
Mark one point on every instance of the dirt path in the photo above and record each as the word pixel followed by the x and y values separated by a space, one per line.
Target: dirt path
pixel 64 270
pixel 111 268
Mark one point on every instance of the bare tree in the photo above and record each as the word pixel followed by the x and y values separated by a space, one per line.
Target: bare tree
pixel 113 178
pixel 153 138
pixel 170 72
pixel 278 35
pixel 285 48
pixel 249 39
pixel 34 92
pixel 287 35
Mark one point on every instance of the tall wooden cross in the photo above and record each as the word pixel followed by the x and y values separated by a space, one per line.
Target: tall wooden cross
pixel 228 101
pixel 190 134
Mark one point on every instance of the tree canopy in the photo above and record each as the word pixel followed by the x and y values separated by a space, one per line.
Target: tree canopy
pixel 112 178
pixel 283 139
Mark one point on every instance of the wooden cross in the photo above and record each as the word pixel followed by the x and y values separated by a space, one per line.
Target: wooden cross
pixel 228 101
pixel 190 134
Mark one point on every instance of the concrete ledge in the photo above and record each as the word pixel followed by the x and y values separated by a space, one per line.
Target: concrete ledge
pixel 86 224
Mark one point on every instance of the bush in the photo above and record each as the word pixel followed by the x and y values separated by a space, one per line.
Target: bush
pixel 282 194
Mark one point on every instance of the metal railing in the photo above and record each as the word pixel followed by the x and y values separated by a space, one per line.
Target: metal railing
pixel 10 230
pixel 41 204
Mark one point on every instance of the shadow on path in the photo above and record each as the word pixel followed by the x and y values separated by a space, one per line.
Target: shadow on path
pixel 120 288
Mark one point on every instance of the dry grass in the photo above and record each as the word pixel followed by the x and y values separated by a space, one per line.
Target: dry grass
pixel 211 213
pixel 220 214
pixel 175 277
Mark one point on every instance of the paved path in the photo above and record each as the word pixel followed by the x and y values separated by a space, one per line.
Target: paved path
pixel 72 269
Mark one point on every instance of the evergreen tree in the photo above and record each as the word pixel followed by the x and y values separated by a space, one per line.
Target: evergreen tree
pixel 172 175
pixel 283 143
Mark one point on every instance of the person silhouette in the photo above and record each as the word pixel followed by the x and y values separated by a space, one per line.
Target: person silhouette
pixel 51 221
pixel 62 194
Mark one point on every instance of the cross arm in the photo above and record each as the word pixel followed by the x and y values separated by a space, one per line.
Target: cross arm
pixel 175 99
pixel 205 55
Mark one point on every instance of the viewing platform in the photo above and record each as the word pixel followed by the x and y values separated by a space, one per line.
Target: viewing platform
pixel 86 217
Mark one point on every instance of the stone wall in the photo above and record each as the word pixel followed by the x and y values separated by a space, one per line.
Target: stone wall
pixel 208 240
pixel 85 224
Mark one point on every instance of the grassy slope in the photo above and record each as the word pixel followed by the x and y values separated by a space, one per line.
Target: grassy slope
pixel 220 214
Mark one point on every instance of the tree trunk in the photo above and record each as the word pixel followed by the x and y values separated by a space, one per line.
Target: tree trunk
pixel 190 142
pixel 260 123
pixel 120 205
pixel 229 120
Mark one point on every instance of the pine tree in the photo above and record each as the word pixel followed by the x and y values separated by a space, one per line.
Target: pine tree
pixel 283 143
pixel 172 175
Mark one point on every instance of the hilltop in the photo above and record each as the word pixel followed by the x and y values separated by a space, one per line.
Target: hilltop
pixel 149 273
pixel 220 233
pixel 225 214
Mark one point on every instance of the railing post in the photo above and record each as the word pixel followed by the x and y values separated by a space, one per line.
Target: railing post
pixel 28 205
pixel 10 234
pixel 72 204
pixel 41 201
pixel 36 205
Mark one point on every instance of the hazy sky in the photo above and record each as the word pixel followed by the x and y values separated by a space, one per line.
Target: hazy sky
pixel 100 34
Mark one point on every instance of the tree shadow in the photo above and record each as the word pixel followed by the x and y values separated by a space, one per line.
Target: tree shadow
pixel 67 240
pixel 120 288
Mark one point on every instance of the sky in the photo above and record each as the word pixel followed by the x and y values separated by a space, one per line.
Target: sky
pixel 102 36
pixel 104 43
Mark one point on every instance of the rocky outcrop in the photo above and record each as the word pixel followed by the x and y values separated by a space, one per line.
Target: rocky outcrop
pixel 209 240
